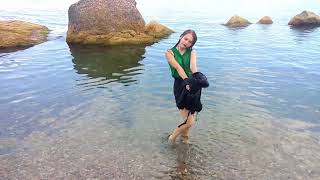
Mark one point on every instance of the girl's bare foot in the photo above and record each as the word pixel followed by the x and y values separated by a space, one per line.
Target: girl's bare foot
pixel 171 140
pixel 185 139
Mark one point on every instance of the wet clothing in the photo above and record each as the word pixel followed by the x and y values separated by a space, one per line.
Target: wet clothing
pixel 191 100
pixel 177 90
pixel 184 98
pixel 183 60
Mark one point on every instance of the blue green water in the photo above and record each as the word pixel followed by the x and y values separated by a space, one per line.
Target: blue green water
pixel 101 112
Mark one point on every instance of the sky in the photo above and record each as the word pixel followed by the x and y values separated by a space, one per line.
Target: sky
pixel 149 6
pixel 232 6
pixel 35 4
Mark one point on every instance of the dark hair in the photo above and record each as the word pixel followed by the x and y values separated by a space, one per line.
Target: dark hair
pixel 194 36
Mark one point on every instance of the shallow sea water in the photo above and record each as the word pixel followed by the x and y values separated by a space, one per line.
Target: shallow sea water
pixel 81 112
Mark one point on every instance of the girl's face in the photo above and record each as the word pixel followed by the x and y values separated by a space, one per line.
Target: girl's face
pixel 186 41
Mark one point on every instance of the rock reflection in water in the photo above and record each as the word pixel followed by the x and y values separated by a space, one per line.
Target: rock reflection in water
pixel 118 63
pixel 303 33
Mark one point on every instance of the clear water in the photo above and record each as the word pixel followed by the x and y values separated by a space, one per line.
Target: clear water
pixel 77 112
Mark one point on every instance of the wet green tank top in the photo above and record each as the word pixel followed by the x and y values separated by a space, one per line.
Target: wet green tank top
pixel 183 60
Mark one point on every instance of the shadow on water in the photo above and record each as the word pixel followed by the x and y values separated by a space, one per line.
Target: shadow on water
pixel 307 28
pixel 13 49
pixel 183 168
pixel 118 63
pixel 264 26
pixel 190 162
pixel 235 29
pixel 302 32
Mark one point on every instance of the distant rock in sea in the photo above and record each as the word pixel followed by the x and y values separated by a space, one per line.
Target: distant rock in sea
pixel 111 22
pixel 265 20
pixel 306 18
pixel 21 34
pixel 237 21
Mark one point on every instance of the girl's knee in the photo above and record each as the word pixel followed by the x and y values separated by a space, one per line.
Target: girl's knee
pixel 189 125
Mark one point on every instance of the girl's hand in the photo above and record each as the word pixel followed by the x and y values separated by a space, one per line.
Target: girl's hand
pixel 187 83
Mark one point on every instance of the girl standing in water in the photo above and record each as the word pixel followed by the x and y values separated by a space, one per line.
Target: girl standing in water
pixel 183 63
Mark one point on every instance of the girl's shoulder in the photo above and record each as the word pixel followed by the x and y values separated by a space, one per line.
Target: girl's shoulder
pixel 170 51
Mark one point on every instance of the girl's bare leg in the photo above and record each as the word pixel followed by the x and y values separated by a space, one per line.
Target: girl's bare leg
pixel 184 134
pixel 182 129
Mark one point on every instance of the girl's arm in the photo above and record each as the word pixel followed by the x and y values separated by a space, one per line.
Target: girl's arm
pixel 193 62
pixel 175 64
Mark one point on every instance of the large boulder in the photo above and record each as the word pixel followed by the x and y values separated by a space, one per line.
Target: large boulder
pixel 306 18
pixel 111 22
pixel 21 34
pixel 237 21
pixel 265 20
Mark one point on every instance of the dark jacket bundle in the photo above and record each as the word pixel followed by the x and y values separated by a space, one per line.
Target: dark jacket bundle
pixel 191 99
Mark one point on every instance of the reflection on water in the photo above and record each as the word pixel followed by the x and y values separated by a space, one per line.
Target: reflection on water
pixel 120 63
pixel 302 33
pixel 184 157
pixel 305 28
pixel 12 49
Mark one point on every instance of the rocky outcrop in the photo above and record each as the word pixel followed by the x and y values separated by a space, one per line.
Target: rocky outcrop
pixel 111 22
pixel 156 30
pixel 21 34
pixel 237 21
pixel 306 18
pixel 265 20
